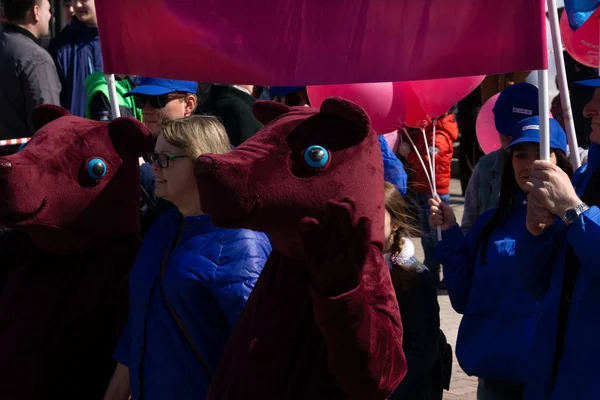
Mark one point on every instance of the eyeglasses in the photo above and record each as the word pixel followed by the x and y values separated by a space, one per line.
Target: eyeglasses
pixel 157 101
pixel 163 159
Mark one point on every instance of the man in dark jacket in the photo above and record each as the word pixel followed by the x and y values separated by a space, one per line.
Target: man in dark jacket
pixel 233 105
pixel 76 51
pixel 28 75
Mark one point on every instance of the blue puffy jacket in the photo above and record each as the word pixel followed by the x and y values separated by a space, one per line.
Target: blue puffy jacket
pixel 542 259
pixel 499 316
pixel 76 52
pixel 393 170
pixel 207 281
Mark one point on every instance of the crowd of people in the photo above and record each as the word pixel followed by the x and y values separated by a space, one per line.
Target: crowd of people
pixel 520 266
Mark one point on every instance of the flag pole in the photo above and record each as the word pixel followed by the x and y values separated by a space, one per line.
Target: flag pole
pixel 112 92
pixel 563 86
pixel 544 115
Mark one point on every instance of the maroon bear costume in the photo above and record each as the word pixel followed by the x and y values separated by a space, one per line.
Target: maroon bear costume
pixel 323 320
pixel 64 267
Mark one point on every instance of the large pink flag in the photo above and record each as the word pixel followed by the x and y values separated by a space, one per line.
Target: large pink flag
pixel 300 42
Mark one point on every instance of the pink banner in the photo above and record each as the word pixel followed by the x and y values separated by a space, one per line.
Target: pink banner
pixel 313 42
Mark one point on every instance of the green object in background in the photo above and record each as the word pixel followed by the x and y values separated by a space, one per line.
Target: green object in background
pixel 96 82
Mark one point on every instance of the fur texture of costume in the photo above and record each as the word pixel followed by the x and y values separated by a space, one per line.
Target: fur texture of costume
pixel 71 198
pixel 322 321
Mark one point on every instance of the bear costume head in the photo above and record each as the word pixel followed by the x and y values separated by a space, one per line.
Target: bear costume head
pixel 322 321
pixel 76 184
pixel 288 171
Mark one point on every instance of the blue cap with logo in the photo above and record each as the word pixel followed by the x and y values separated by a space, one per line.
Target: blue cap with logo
pixel 158 87
pixel 528 131
pixel 516 102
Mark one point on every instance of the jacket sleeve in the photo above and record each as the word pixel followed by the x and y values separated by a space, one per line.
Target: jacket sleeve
pixel 420 336
pixel 584 236
pixel 393 169
pixel 363 332
pixel 123 350
pixel 41 84
pixel 55 52
pixel 535 256
pixel 471 208
pixel 242 259
pixel 456 253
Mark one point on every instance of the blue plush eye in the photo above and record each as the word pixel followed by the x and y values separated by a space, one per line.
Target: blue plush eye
pixel 96 168
pixel 316 156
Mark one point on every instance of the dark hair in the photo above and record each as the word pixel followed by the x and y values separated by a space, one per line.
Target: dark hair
pixel 396 207
pixel 508 190
pixel 16 10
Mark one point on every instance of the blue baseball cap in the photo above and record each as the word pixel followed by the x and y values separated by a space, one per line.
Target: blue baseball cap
pixel 528 131
pixel 158 87
pixel 283 90
pixel 516 102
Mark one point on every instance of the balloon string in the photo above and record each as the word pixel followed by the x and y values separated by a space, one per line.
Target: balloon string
pixel 432 158
pixel 431 187
pixel 427 152
pixel 419 156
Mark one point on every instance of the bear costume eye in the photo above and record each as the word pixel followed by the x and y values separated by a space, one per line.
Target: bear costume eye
pixel 316 156
pixel 96 168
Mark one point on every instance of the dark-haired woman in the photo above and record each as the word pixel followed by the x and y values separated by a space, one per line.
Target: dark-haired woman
pixel 496 331
pixel 418 303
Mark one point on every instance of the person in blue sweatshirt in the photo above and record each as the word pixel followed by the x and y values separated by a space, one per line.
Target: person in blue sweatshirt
pixel 481 271
pixel 561 267
pixel 76 52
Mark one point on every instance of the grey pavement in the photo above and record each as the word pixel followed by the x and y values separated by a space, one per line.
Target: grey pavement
pixel 462 386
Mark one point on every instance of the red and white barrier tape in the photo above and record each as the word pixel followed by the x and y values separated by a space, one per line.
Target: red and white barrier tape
pixel 13 142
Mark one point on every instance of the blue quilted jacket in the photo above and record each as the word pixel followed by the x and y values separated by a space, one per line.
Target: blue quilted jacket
pixel 207 280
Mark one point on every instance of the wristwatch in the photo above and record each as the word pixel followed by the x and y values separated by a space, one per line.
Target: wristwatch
pixel 573 213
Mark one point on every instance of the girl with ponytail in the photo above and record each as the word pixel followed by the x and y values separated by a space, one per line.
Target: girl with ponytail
pixel 424 345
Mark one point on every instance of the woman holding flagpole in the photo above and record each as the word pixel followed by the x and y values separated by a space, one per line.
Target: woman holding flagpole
pixel 499 316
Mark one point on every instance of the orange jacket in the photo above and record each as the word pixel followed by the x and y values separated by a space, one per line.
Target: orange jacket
pixel 446 133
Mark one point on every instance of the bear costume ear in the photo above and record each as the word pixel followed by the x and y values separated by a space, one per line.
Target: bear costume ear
pixel 349 111
pixel 44 114
pixel 267 111
pixel 130 137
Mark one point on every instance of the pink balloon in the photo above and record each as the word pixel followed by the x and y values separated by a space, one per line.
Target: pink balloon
pixel 374 98
pixel 406 107
pixel 582 44
pixel 487 135
pixel 438 95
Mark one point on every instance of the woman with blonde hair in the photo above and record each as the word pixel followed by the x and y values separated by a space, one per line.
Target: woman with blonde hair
pixel 190 280
pixel 424 344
